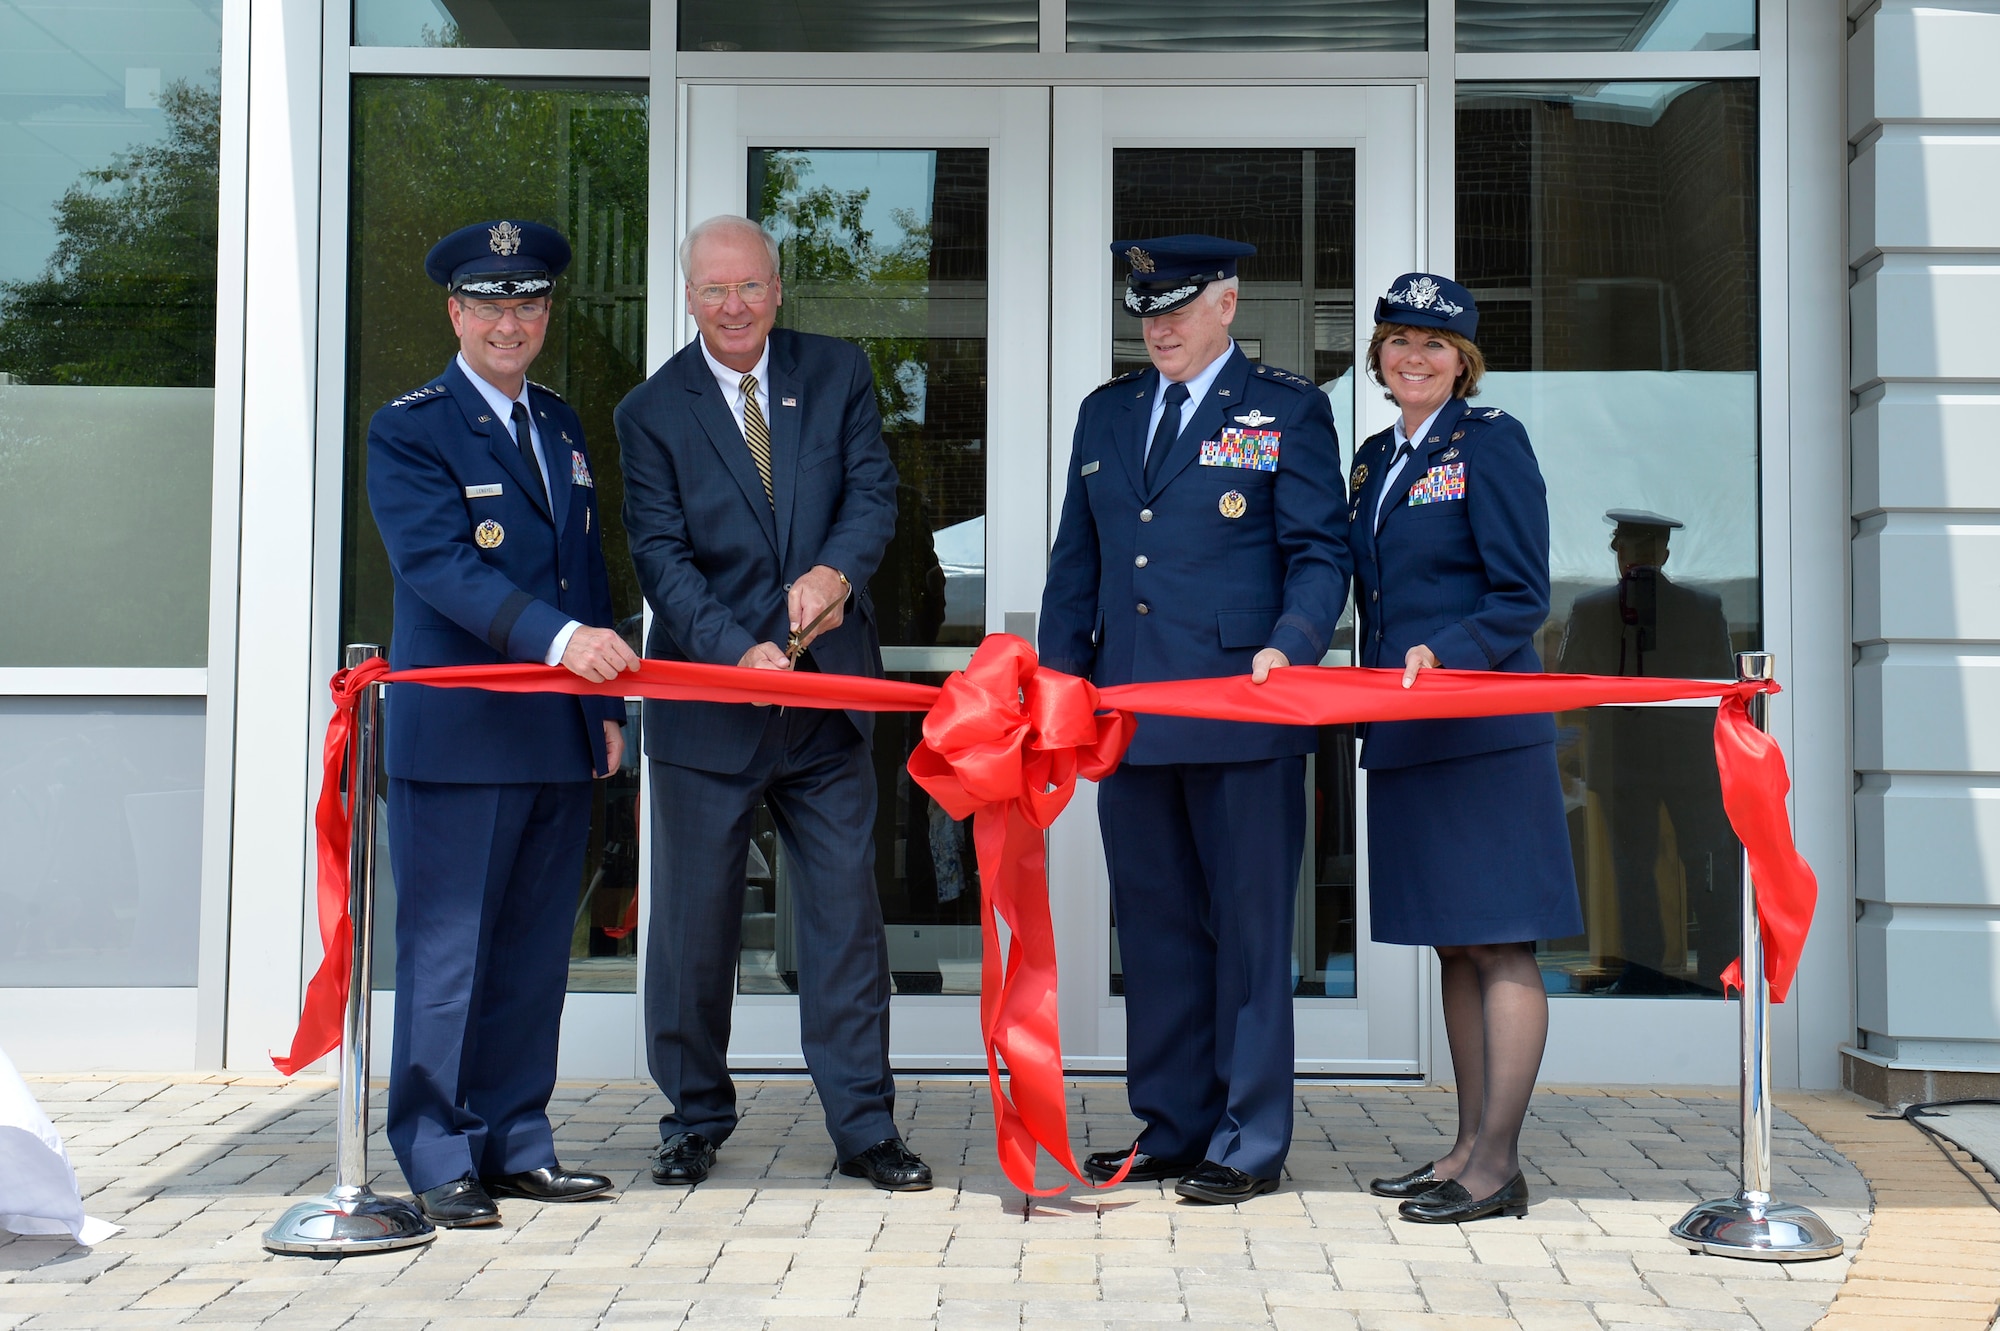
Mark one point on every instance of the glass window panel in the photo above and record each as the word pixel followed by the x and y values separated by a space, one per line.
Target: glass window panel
pixel 597 25
pixel 573 156
pixel 108 143
pixel 1229 25
pixel 859 25
pixel 1609 233
pixel 1295 311
pixel 1607 25
pixel 887 248
pixel 100 812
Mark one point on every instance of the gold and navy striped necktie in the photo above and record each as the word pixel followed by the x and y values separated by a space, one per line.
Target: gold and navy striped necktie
pixel 757 434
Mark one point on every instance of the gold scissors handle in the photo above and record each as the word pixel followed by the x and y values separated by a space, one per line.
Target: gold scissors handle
pixel 795 646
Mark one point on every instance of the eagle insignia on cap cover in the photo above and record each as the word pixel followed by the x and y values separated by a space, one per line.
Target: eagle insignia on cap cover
pixel 506 238
pixel 1141 261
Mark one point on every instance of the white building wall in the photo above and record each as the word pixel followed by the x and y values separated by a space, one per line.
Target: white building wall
pixel 1924 252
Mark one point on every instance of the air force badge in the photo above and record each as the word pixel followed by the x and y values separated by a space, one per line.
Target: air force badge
pixel 1254 418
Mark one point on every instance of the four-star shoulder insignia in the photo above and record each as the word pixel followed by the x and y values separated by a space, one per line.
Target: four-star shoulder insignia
pixel 545 389
pixel 423 394
pixel 1285 377
pixel 1126 377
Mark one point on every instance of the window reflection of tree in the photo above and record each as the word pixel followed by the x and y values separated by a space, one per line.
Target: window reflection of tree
pixel 128 295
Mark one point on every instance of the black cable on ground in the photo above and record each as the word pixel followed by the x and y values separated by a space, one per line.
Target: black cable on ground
pixel 1914 1116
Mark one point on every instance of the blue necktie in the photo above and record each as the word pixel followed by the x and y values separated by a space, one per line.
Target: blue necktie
pixel 1382 504
pixel 1164 434
pixel 526 443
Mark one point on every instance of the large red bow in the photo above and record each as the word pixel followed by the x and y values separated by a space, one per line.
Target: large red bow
pixel 1004 745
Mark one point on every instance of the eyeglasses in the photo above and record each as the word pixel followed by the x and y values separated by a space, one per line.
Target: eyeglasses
pixel 753 293
pixel 528 311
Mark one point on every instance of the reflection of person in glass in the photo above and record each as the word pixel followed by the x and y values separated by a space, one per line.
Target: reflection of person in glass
pixel 759 496
pixel 1200 538
pixel 1468 850
pixel 1641 760
pixel 480 486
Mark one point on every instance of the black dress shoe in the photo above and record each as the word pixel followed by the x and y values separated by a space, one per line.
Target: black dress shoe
pixel 685 1157
pixel 1450 1204
pixel 459 1204
pixel 1210 1182
pixel 1103 1166
pixel 551 1183
pixel 890 1166
pixel 1413 1184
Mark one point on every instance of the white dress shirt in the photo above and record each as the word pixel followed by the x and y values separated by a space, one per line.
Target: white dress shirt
pixel 1197 388
pixel 503 409
pixel 1389 481
pixel 731 382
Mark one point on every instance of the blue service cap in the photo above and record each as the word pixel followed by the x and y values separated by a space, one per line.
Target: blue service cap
pixel 499 260
pixel 1425 300
pixel 1169 272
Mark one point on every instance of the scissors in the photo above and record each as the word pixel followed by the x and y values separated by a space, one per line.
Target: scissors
pixel 795 646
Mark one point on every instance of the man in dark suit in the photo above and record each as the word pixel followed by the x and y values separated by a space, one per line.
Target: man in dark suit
pixel 759 497
pixel 1201 537
pixel 481 487
pixel 1642 758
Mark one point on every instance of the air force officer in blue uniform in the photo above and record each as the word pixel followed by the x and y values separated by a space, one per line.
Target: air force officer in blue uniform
pixel 1202 536
pixel 481 486
pixel 1468 850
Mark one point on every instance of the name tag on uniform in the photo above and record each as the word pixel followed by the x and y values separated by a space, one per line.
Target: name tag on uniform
pixel 1090 468
pixel 579 470
pixel 1439 485
pixel 1248 450
pixel 481 491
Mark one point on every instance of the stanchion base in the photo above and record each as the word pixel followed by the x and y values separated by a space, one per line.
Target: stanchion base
pixel 1764 1231
pixel 348 1221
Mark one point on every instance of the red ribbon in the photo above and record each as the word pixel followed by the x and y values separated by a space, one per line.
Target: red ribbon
pixel 1005 741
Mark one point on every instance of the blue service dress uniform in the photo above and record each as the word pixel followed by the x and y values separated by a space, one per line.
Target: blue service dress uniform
pixel 1467 841
pixel 1204 822
pixel 489 793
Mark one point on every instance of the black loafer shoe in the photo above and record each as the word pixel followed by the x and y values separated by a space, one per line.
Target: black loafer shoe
pixel 1450 1204
pixel 459 1204
pixel 1413 1184
pixel 685 1157
pixel 551 1183
pixel 1103 1166
pixel 890 1166
pixel 1210 1182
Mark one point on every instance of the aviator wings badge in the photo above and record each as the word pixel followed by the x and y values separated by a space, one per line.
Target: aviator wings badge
pixel 1255 418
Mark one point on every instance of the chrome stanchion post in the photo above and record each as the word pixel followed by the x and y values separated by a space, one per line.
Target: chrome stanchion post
pixel 351 1218
pixel 1751 1224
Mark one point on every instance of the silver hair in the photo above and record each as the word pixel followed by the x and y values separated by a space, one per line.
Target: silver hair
pixel 726 222
pixel 1212 293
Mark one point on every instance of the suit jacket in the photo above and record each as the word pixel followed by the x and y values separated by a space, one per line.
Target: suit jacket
pixel 1461 565
pixel 1161 582
pixel 486 572
pixel 716 558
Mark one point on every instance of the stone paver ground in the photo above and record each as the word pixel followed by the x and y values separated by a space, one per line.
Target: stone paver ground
pixel 195 1169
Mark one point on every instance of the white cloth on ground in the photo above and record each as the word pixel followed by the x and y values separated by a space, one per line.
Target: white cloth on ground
pixel 38 1192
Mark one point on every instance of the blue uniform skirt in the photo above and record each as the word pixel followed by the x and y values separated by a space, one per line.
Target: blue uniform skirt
pixel 1471 850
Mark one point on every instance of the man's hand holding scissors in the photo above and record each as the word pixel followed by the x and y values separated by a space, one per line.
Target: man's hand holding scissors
pixel 817 604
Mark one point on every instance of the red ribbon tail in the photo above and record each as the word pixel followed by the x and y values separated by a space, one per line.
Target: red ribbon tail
pixel 325 1010
pixel 1754 786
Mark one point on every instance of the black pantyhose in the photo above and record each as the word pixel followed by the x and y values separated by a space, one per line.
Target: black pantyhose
pixel 1496 1018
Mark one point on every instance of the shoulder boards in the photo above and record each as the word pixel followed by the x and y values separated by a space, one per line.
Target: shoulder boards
pixel 1489 414
pixel 544 388
pixel 423 394
pixel 1272 374
pixel 1126 377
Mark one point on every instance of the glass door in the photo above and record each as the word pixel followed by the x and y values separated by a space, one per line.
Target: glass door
pixel 912 222
pixel 1324 182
